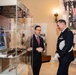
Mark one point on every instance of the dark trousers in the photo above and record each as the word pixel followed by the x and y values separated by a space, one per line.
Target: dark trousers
pixel 36 65
pixel 63 67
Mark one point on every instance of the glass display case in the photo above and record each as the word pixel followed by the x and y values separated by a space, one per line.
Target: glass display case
pixel 15 28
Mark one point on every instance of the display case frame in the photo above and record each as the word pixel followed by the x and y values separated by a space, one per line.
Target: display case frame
pixel 16 20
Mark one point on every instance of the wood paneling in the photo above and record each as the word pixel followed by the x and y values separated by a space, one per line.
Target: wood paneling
pixel 46 58
pixel 74 54
pixel 4 64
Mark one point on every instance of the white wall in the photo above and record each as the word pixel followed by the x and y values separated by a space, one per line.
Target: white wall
pixel 42 12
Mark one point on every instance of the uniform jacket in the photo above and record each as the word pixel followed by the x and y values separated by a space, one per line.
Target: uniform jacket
pixel 65 44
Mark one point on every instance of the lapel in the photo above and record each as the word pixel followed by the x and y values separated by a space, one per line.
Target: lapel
pixel 40 40
pixel 64 32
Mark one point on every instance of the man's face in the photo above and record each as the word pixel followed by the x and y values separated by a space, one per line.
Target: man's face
pixel 60 26
pixel 38 31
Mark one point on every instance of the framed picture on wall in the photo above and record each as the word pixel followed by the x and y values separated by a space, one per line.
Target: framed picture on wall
pixel 70 7
pixel 72 18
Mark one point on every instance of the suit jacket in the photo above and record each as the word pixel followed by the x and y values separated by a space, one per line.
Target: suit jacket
pixel 34 45
pixel 64 44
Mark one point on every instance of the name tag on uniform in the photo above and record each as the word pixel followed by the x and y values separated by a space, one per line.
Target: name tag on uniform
pixel 61 38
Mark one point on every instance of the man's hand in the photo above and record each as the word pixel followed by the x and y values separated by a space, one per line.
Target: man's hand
pixel 56 56
pixel 39 49
pixel 29 49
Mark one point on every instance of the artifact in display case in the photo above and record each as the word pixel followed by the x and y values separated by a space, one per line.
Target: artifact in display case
pixel 3 44
pixel 13 16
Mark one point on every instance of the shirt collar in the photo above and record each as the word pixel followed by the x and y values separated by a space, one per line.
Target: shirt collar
pixel 64 29
pixel 36 35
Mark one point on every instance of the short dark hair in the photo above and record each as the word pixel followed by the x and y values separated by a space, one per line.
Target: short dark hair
pixel 37 27
pixel 62 21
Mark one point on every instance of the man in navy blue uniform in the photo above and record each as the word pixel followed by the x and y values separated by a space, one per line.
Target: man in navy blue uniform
pixel 64 49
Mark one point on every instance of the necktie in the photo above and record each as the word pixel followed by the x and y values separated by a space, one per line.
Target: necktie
pixel 38 40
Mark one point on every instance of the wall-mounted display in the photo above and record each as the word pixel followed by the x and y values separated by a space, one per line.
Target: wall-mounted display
pixel 70 7
pixel 70 15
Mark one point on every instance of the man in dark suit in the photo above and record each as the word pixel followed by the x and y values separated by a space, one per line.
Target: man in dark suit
pixel 64 50
pixel 37 46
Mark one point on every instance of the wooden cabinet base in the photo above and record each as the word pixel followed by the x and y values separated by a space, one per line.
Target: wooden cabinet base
pixel 4 64
pixel 74 54
pixel 46 58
